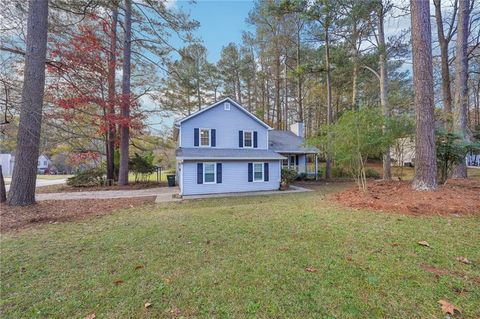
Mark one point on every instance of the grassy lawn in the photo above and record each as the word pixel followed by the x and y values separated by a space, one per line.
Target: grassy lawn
pixel 242 258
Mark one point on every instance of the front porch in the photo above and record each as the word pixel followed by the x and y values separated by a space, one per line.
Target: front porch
pixel 302 163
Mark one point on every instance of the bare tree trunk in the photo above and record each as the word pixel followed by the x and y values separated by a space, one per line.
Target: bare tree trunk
pixel 125 127
pixel 425 153
pixel 239 89
pixel 446 91
pixel 111 96
pixel 328 164
pixel 299 77
pixel 286 97
pixel 355 67
pixel 22 189
pixel 3 192
pixel 382 48
pixel 277 92
pixel 461 81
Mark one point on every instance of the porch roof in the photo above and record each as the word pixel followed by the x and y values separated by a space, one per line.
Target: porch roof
pixel 226 154
pixel 288 142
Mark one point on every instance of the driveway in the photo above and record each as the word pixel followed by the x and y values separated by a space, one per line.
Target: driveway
pixel 40 182
pixel 163 194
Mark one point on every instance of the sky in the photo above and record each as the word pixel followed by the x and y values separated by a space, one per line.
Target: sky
pixel 221 22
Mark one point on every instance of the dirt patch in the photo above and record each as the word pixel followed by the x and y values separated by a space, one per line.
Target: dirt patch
pixel 54 211
pixel 68 189
pixel 459 196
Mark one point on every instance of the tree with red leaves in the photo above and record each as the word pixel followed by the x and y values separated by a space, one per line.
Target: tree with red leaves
pixel 83 87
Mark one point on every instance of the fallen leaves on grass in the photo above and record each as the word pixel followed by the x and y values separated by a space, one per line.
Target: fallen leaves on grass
pixel 424 243
pixel 54 211
pixel 148 305
pixel 91 316
pixel 463 260
pixel 138 267
pixel 118 282
pixel 311 269
pixel 447 307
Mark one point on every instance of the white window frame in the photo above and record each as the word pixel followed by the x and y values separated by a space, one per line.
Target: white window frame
pixel 214 173
pixel 251 134
pixel 263 172
pixel 209 137
pixel 226 106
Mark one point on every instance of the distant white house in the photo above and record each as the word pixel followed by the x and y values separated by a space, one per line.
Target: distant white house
pixel 8 162
pixel 43 164
pixel 403 152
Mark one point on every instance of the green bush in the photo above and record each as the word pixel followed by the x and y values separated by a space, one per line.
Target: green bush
pixel 340 172
pixel 451 151
pixel 371 173
pixel 89 177
pixel 142 166
pixel 288 176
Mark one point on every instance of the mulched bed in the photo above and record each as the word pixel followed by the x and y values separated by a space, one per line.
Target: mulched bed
pixel 55 211
pixel 68 189
pixel 457 197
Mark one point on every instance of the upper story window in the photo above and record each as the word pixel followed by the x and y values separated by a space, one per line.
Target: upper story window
pixel 226 106
pixel 247 139
pixel 204 137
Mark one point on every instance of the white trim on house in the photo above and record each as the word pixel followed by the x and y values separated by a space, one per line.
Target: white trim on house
pixel 214 173
pixel 200 137
pixel 226 158
pixel 251 139
pixel 262 165
pixel 177 123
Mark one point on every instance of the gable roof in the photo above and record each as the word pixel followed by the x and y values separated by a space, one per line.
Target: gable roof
pixel 288 142
pixel 241 108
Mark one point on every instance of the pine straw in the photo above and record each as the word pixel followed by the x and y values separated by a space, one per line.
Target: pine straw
pixel 458 197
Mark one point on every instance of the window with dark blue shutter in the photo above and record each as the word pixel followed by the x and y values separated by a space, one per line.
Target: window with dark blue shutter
pixel 213 141
pixel 296 160
pixel 265 172
pixel 255 139
pixel 196 137
pixel 240 138
pixel 199 173
pixel 219 173
pixel 250 172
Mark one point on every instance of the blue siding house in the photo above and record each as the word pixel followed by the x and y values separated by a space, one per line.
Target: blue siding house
pixel 223 148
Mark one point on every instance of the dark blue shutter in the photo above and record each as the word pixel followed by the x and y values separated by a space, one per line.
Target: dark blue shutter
pixel 255 139
pixel 265 172
pixel 199 173
pixel 250 172
pixel 296 159
pixel 196 137
pixel 214 137
pixel 240 138
pixel 219 173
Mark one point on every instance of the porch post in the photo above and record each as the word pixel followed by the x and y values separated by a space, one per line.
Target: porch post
pixel 316 167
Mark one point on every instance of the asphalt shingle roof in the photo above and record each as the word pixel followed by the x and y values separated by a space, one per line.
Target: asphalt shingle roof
pixel 226 153
pixel 288 142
